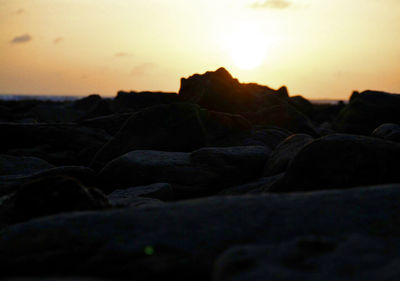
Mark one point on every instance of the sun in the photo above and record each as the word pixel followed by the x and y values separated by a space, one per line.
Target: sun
pixel 247 46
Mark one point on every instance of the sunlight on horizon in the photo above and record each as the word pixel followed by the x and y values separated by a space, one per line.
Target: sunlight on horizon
pixel 319 49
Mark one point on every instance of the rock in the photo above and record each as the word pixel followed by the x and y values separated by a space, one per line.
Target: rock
pixel 87 103
pixel 54 113
pixel 284 116
pixel 109 123
pixel 368 110
pixel 388 131
pixel 302 105
pixel 205 171
pixel 125 197
pixel 219 91
pixel 354 258
pixel 255 187
pixel 342 161
pixel 51 195
pixel 12 165
pixel 285 152
pixel 59 144
pixel 9 184
pixel 134 101
pixel 183 240
pixel 174 127
pixel 269 136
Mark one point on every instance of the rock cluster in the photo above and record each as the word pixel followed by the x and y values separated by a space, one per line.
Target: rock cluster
pixel 222 181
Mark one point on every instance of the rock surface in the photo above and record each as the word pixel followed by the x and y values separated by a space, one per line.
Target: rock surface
pixel 388 131
pixel 182 240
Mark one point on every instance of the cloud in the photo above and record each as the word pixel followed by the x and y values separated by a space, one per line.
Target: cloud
pixel 58 40
pixel 271 4
pixel 122 54
pixel 142 69
pixel 21 39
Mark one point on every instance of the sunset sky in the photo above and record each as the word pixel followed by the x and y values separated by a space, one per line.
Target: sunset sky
pixel 317 48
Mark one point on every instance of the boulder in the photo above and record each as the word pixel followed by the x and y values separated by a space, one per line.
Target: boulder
pixel 202 172
pixel 284 153
pixel 219 91
pixel 267 136
pixel 127 197
pixel 50 195
pixel 182 240
pixel 258 186
pixel 135 101
pixel 353 258
pixel 175 127
pixel 342 161
pixel 110 123
pixel 59 144
pixel 12 165
pixel 388 131
pixel 284 116
pixel 368 110
pixel 302 105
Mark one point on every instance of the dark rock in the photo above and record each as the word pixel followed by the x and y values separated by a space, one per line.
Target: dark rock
pixel 269 137
pixel 343 161
pixel 255 187
pixel 388 131
pixel 12 165
pixel 354 258
pixel 134 101
pixel 284 116
pixel 59 144
pixel 219 91
pixel 182 240
pixel 204 171
pixel 54 113
pixel 367 111
pixel 51 195
pixel 284 153
pixel 87 103
pixel 302 105
pixel 175 127
pixel 109 123
pixel 141 195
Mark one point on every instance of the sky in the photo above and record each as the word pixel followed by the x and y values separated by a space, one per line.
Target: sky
pixel 317 48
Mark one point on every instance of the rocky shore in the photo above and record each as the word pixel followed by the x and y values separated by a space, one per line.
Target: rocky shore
pixel 222 181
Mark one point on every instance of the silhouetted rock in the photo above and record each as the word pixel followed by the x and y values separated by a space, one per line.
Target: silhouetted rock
pixel 109 123
pixel 202 172
pixel 135 101
pixel 302 105
pixel 87 103
pixel 54 113
pixel 352 258
pixel 255 187
pixel 367 111
pixel 183 240
pixel 269 136
pixel 284 116
pixel 343 161
pixel 51 195
pixel 284 153
pixel 219 91
pixel 59 144
pixel 388 131
pixel 129 197
pixel 12 165
pixel 175 127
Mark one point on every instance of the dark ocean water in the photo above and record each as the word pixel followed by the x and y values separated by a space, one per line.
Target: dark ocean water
pixel 72 98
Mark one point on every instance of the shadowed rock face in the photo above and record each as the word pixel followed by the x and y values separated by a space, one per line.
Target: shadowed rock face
pixel 368 110
pixel 388 131
pixel 186 238
pixel 175 127
pixel 221 92
pixel 342 161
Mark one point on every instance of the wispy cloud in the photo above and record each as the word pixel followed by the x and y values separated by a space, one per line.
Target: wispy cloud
pixel 271 4
pixel 142 69
pixel 122 55
pixel 21 39
pixel 58 40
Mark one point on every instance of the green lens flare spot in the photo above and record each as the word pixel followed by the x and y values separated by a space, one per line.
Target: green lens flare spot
pixel 149 250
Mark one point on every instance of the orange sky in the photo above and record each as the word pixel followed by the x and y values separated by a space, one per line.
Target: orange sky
pixel 318 48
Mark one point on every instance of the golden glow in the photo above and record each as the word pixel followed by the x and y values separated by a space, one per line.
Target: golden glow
pixel 247 46
pixel 318 48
